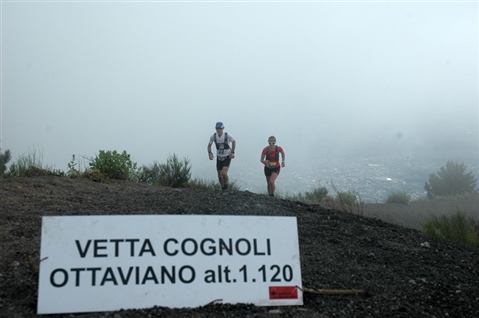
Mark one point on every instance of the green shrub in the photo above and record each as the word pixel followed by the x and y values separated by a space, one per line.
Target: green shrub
pixel 475 225
pixel 348 201
pixel 95 175
pixel 75 170
pixel 174 173
pixel 314 196
pixel 4 159
pixel 114 165
pixel 29 165
pixel 347 197
pixel 149 174
pixel 399 197
pixel 456 227
pixel 450 180
pixel 198 183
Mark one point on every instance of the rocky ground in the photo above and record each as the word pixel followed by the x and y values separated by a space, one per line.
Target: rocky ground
pixel 399 275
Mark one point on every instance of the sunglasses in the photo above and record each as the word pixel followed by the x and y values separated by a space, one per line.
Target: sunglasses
pixel 218 128
pixel 271 143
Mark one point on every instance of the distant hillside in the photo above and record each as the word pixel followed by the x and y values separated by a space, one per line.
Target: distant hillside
pixel 416 213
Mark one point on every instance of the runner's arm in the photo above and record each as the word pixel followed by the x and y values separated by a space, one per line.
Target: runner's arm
pixel 263 157
pixel 210 154
pixel 233 147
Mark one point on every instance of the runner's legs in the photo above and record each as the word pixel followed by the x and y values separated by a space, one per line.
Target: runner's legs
pixel 271 185
pixel 224 176
pixel 267 183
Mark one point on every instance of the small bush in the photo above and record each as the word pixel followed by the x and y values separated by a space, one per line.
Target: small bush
pixel 114 165
pixel 4 159
pixel 475 225
pixel 75 170
pixel 174 173
pixel 314 196
pixel 30 165
pixel 27 164
pixel 96 176
pixel 347 197
pixel 348 201
pixel 149 174
pixel 456 227
pixel 198 183
pixel 399 197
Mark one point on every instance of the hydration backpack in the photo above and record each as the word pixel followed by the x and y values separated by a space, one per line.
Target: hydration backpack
pixel 268 154
pixel 225 143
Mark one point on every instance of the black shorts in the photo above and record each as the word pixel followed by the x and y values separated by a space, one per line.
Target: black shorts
pixel 268 171
pixel 222 163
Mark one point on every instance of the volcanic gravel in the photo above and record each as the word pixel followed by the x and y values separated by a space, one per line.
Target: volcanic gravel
pixel 403 272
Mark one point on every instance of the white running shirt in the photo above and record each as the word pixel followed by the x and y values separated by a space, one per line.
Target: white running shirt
pixel 221 152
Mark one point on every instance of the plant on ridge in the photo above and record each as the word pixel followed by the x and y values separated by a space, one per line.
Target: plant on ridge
pixel 4 159
pixel 399 197
pixel 174 173
pixel 456 227
pixel 450 180
pixel 113 165
pixel 346 201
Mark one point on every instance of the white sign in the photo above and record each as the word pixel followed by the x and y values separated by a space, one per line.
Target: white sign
pixel 105 263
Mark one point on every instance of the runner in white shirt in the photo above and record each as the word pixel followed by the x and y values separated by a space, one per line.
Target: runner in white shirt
pixel 224 153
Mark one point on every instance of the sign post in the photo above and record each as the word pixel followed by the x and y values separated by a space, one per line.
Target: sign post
pixel 105 263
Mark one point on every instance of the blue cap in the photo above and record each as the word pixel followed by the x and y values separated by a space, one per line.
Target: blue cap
pixel 219 125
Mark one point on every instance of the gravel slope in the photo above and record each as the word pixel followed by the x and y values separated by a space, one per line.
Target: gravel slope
pixel 400 277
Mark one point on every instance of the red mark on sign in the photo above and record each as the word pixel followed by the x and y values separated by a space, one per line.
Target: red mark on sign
pixel 283 292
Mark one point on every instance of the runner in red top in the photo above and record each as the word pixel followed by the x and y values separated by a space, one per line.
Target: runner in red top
pixel 270 159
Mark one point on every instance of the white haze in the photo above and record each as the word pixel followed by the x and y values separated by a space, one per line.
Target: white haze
pixel 329 80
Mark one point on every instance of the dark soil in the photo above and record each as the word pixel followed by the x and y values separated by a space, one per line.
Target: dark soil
pixel 400 277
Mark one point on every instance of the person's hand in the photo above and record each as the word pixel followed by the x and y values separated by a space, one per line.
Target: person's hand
pixel 232 155
pixel 265 162
pixel 211 156
pixel 282 164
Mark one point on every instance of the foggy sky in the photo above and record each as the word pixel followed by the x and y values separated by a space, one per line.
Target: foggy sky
pixel 152 78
